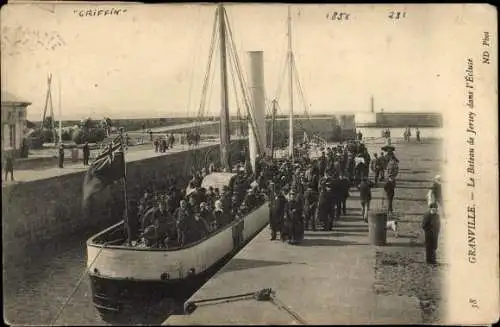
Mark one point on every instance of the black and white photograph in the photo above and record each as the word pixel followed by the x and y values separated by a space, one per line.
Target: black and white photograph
pixel 249 164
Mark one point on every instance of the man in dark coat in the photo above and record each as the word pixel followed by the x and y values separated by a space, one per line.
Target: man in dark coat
pixel 310 204
pixel 324 205
pixel 9 165
pixel 365 196
pixel 156 143
pixel 375 166
pixel 322 163
pixel 337 195
pixel 344 186
pixel 61 156
pixel 293 216
pixel 431 225
pixel 276 213
pixel 183 216
pixel 389 188
pixel 86 154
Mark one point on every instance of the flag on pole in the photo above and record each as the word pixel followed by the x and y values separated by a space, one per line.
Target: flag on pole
pixel 107 167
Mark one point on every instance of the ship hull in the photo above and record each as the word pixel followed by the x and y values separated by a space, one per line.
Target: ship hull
pixel 122 276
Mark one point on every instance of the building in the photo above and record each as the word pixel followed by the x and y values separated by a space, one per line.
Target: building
pixel 14 112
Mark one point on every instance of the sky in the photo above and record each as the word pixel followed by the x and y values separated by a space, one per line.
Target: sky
pixel 150 61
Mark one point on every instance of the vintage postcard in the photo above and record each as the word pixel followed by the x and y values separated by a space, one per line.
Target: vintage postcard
pixel 226 163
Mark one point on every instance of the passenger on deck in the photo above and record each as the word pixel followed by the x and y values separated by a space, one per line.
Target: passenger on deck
pixel 147 219
pixel 182 216
pixel 193 205
pixel 200 228
pixel 207 215
pixel 220 216
pixel 235 204
pixel 162 219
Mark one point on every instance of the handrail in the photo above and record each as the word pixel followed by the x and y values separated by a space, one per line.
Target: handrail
pixel 172 249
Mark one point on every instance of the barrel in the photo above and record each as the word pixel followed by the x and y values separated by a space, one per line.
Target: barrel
pixel 377 227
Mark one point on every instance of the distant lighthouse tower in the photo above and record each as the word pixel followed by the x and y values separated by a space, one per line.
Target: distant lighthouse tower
pixel 372 105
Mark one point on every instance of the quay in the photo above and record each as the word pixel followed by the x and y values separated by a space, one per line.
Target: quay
pixel 132 155
pixel 336 277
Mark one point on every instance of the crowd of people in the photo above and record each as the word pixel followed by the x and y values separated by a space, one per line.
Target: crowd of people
pixel 163 143
pixel 304 193
pixel 407 134
pixel 179 217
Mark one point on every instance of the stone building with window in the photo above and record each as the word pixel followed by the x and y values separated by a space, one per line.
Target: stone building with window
pixel 14 112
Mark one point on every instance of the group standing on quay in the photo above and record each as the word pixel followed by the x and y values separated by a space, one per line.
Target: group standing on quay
pixel 303 194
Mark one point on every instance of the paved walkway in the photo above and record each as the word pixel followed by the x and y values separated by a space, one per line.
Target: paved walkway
pixel 328 279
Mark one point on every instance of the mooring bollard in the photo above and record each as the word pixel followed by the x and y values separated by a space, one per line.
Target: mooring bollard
pixel 377 231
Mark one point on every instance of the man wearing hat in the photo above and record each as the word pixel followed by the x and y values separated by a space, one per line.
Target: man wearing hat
pixel 293 214
pixel 390 188
pixel 310 203
pixel 277 211
pixel 431 225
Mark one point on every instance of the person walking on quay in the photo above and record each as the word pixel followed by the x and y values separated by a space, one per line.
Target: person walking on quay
pixel 365 195
pixel 277 204
pixel 293 212
pixel 171 140
pixel 310 204
pixel 86 153
pixel 61 156
pixel 9 165
pixel 431 225
pixel 345 186
pixel 383 165
pixel 434 196
pixel 417 134
pixel 150 135
pixel 389 189
pixel 156 143
pixel 375 167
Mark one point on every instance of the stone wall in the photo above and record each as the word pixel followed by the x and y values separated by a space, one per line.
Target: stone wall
pixel 48 209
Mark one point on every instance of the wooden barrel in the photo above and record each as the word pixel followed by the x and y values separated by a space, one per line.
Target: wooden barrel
pixel 377 231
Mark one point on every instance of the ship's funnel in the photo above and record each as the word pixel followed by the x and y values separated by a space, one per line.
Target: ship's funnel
pixel 257 120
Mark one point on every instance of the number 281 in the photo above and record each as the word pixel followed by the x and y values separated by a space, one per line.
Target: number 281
pixel 397 14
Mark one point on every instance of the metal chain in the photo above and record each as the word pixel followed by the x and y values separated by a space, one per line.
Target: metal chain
pixel 265 294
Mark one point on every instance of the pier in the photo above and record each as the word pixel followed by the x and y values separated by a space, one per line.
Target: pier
pixel 336 277
pixel 333 277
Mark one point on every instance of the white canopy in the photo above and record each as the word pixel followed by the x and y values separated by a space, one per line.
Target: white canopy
pixel 217 180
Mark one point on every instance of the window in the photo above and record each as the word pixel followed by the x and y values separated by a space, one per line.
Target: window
pixel 12 136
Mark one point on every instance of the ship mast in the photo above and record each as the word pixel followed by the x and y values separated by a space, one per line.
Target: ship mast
pixel 290 66
pixel 224 119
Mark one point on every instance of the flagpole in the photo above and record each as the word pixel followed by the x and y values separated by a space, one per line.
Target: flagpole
pixel 124 182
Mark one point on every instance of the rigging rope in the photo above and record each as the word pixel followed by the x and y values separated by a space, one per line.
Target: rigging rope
pixel 193 64
pixel 201 108
pixel 238 113
pixel 56 317
pixel 243 84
